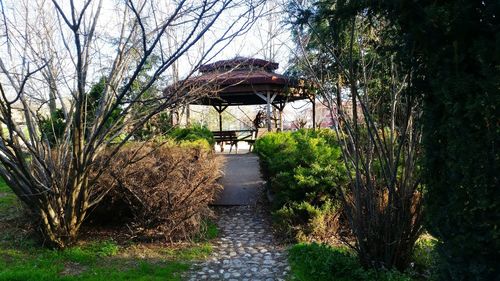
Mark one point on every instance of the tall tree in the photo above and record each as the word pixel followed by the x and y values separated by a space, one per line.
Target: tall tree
pixel 457 45
pixel 92 38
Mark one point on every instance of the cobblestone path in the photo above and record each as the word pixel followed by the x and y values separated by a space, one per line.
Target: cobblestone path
pixel 244 250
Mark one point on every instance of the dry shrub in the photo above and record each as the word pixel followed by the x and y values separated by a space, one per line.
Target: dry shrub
pixel 388 221
pixel 159 191
pixel 304 222
pixel 322 229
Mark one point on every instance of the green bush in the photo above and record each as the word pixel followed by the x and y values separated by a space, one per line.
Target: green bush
pixel 318 262
pixel 425 257
pixel 193 133
pixel 158 125
pixel 304 171
pixel 52 127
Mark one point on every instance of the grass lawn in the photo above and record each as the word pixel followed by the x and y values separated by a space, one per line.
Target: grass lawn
pixel 21 258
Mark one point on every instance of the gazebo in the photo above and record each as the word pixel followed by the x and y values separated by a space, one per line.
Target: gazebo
pixel 248 81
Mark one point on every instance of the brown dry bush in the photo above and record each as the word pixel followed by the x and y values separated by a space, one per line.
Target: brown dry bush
pixel 159 191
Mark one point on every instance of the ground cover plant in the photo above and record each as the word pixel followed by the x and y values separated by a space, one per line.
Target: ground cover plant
pixel 304 172
pixel 321 262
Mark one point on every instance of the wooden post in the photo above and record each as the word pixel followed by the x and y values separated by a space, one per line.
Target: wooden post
pixel 269 101
pixel 268 109
pixel 313 101
pixel 220 109
pixel 281 120
pixel 220 121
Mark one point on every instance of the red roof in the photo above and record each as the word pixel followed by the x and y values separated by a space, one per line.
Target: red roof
pixel 238 77
pixel 239 63
pixel 237 81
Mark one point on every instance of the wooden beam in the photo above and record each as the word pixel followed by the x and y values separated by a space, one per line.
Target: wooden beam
pixel 220 108
pixel 279 106
pixel 267 98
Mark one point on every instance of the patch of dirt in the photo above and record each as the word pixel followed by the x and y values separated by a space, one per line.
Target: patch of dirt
pixel 72 269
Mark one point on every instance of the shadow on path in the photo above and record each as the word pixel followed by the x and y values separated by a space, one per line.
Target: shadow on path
pixel 242 181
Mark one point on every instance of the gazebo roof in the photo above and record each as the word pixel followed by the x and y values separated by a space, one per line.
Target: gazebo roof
pixel 239 62
pixel 242 81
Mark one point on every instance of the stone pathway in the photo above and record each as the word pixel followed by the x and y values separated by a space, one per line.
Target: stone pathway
pixel 244 250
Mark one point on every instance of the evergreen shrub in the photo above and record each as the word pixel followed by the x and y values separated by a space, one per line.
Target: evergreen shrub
pixel 192 133
pixel 304 172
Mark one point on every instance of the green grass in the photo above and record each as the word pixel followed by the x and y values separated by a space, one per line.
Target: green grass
pixel 4 188
pixel 315 262
pixel 201 251
pixel 209 231
pixel 95 261
pixel 9 205
pixel 21 258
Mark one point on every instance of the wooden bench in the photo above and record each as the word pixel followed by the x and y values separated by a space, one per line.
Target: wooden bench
pixel 226 137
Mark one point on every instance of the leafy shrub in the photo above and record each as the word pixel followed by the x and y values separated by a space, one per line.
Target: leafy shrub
pixel 318 262
pixel 425 257
pixel 201 144
pixel 305 172
pixel 192 133
pixel 159 190
pixel 302 165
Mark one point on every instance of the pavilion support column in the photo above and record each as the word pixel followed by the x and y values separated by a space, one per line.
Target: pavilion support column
pixel 188 115
pixel 281 120
pixel 220 109
pixel 313 101
pixel 269 101
pixel 220 121
pixel 268 109
pixel 280 106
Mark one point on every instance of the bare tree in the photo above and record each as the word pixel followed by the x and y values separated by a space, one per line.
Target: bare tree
pixel 76 44
pixel 381 144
